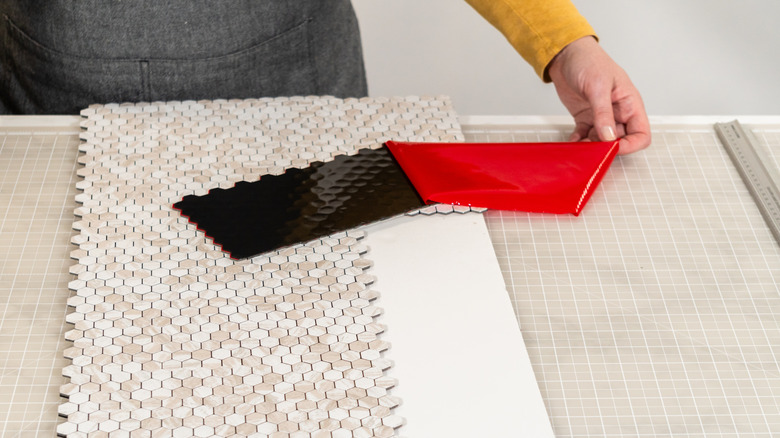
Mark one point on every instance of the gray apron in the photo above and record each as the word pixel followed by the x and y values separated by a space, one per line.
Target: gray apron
pixel 59 56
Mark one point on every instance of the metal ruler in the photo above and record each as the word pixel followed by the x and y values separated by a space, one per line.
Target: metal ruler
pixel 744 152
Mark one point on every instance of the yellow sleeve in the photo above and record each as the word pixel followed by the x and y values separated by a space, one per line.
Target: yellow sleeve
pixel 537 29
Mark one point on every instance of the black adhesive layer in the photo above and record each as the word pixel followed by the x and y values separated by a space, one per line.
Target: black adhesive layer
pixel 303 204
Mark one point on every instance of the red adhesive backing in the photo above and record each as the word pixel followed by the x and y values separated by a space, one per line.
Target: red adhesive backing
pixel 534 177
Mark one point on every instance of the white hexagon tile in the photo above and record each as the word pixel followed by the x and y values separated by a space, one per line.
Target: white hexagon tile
pixel 171 337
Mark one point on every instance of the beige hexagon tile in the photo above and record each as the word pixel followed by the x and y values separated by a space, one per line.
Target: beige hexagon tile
pixel 173 338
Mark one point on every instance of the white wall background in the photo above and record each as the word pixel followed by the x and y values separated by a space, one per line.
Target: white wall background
pixel 708 57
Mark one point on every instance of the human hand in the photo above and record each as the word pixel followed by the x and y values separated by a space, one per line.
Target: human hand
pixel 600 96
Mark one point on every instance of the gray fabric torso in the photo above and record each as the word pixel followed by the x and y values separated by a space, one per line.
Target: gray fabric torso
pixel 59 56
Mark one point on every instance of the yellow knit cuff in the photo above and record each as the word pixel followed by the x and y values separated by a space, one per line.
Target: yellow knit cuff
pixel 537 29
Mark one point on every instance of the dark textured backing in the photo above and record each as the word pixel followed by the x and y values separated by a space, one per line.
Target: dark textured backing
pixel 301 205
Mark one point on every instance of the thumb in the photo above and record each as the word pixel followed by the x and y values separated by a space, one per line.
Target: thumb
pixel 603 117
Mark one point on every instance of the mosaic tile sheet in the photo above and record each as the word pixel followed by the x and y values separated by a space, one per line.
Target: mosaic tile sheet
pixel 171 337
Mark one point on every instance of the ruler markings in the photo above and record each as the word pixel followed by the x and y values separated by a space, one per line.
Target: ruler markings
pixel 744 153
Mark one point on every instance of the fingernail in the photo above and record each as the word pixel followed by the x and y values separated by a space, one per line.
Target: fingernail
pixel 607 133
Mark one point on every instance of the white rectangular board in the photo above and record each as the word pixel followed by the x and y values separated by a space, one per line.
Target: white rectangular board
pixel 458 353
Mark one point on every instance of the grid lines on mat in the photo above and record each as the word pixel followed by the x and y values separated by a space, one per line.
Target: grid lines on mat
pixel 37 188
pixel 657 311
